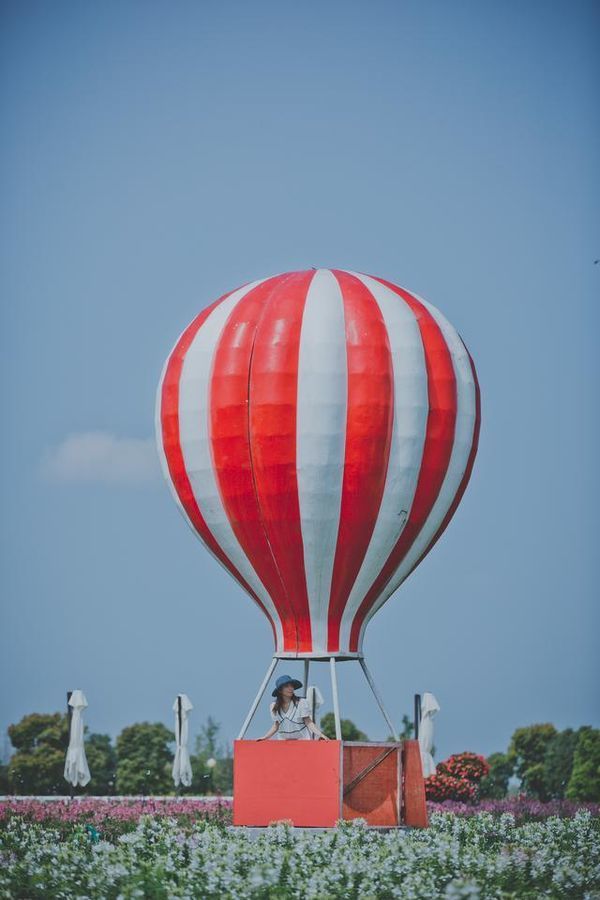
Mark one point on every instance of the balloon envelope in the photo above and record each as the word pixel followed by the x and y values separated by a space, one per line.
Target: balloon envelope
pixel 318 430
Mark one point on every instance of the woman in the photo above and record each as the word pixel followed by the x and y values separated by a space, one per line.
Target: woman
pixel 290 714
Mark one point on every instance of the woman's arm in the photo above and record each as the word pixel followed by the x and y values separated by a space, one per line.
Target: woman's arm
pixel 312 727
pixel 270 732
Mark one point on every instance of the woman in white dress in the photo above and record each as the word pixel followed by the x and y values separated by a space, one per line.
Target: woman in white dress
pixel 290 714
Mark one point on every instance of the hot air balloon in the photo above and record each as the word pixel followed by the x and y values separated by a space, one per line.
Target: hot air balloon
pixel 318 430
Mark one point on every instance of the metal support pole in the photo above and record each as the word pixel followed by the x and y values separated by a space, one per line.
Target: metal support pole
pixel 258 698
pixel 369 678
pixel 306 662
pixel 336 705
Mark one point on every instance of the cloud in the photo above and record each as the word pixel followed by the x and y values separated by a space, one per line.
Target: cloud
pixel 95 456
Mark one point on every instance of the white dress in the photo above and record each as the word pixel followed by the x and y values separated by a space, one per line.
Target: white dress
pixel 291 726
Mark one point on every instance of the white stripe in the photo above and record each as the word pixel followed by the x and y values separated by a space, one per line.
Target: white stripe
pixel 163 458
pixel 411 406
pixel 194 399
pixel 320 440
pixel 459 457
pixel 158 434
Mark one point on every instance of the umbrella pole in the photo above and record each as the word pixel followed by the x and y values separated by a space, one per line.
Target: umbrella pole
pixel 70 719
pixel 336 705
pixel 369 678
pixel 417 715
pixel 306 661
pixel 179 739
pixel 258 698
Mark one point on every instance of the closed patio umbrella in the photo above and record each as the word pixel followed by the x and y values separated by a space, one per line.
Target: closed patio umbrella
pixel 315 700
pixel 76 766
pixel 429 708
pixel 182 767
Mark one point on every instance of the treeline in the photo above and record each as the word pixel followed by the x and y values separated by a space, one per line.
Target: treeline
pixel 550 764
pixel 139 762
pixel 547 764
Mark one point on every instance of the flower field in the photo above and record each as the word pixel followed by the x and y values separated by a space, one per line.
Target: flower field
pixel 184 848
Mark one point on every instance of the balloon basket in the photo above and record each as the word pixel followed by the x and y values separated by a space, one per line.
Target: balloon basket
pixel 314 784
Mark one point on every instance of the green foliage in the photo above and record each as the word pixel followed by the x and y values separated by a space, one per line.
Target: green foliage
pixel 494 785
pixel 102 762
pixel 144 759
pixel 223 775
pixel 553 765
pixel 584 783
pixel 41 742
pixel 207 743
pixel 37 729
pixel 408 730
pixel 406 733
pixel 217 779
pixel 141 763
pixel 527 751
pixel 558 763
pixel 350 732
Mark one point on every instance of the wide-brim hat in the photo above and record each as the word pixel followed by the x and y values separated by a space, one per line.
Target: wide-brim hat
pixel 285 679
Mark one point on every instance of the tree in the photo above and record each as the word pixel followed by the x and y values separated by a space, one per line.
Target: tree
pixel 41 742
pixel 584 783
pixel 526 752
pixel 102 762
pixel 558 762
pixel 350 732
pixel 207 742
pixel 223 775
pixel 494 785
pixel 406 733
pixel 144 759
pixel 211 779
pixel 408 730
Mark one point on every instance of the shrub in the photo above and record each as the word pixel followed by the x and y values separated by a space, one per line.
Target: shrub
pixel 440 787
pixel 457 778
pixel 469 766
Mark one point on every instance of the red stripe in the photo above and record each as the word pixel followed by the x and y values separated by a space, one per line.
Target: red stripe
pixel 273 394
pixel 439 438
pixel 229 434
pixel 467 474
pixel 369 422
pixel 169 417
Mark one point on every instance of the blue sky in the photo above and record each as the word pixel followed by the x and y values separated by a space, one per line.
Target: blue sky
pixel 156 155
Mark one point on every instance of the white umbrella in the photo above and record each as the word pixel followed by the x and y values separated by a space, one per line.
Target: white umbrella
pixel 429 707
pixel 315 700
pixel 182 767
pixel 76 767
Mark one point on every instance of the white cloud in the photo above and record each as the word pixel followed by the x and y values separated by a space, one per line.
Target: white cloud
pixel 101 457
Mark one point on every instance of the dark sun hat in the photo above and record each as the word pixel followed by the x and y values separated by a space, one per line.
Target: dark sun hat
pixel 285 679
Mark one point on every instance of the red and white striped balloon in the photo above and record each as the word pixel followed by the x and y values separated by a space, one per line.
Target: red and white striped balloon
pixel 318 430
